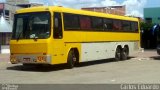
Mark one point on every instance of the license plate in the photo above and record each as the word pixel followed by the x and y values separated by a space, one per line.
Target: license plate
pixel 26 60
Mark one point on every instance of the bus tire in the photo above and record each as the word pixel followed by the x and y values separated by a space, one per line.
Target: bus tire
pixel 125 53
pixel 118 54
pixel 71 60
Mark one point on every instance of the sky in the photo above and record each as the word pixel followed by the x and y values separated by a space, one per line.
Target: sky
pixel 133 7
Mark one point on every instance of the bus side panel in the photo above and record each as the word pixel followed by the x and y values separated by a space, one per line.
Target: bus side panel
pixel 105 50
pixel 97 51
pixel 60 52
pixel 57 52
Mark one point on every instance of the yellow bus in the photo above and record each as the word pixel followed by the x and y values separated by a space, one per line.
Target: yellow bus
pixel 57 35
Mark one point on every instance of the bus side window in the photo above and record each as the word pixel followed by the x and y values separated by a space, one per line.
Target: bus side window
pixel 57 33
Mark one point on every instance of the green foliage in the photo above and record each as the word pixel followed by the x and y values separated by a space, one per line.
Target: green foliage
pixel 146 26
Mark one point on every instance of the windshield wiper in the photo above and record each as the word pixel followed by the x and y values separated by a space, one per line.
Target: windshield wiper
pixel 19 35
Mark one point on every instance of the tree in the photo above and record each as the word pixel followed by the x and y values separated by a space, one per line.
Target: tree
pixel 146 26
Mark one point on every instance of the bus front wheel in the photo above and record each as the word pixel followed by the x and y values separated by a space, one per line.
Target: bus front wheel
pixel 71 60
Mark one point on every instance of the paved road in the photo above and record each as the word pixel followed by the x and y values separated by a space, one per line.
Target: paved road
pixel 143 67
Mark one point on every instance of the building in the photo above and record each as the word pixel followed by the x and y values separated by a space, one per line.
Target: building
pixel 7 11
pixel 152 15
pixel 5 25
pixel 117 10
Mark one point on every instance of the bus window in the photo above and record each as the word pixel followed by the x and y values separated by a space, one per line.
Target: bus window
pixel 134 26
pixel 85 23
pixel 117 25
pixel 31 26
pixel 19 27
pixel 126 25
pixel 57 34
pixel 97 23
pixel 71 21
pixel 108 24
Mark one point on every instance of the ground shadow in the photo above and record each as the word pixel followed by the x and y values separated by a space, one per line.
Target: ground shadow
pixel 38 68
pixel 49 68
pixel 155 57
pixel 89 63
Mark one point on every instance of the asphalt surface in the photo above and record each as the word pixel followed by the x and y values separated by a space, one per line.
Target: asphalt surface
pixel 142 67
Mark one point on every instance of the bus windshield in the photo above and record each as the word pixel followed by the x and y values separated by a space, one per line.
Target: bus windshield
pixel 31 26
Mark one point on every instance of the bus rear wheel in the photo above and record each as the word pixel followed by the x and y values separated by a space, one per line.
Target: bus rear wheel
pixel 72 59
pixel 125 53
pixel 118 54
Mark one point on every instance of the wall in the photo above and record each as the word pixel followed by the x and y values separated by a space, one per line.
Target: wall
pixel 117 10
pixel 5 49
pixel 153 13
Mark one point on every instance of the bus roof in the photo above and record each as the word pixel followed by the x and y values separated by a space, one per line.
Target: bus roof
pixel 74 11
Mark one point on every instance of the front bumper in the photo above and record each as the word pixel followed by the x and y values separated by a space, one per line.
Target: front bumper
pixel 32 59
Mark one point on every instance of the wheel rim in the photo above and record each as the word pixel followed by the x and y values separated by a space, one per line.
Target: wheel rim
pixel 73 59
